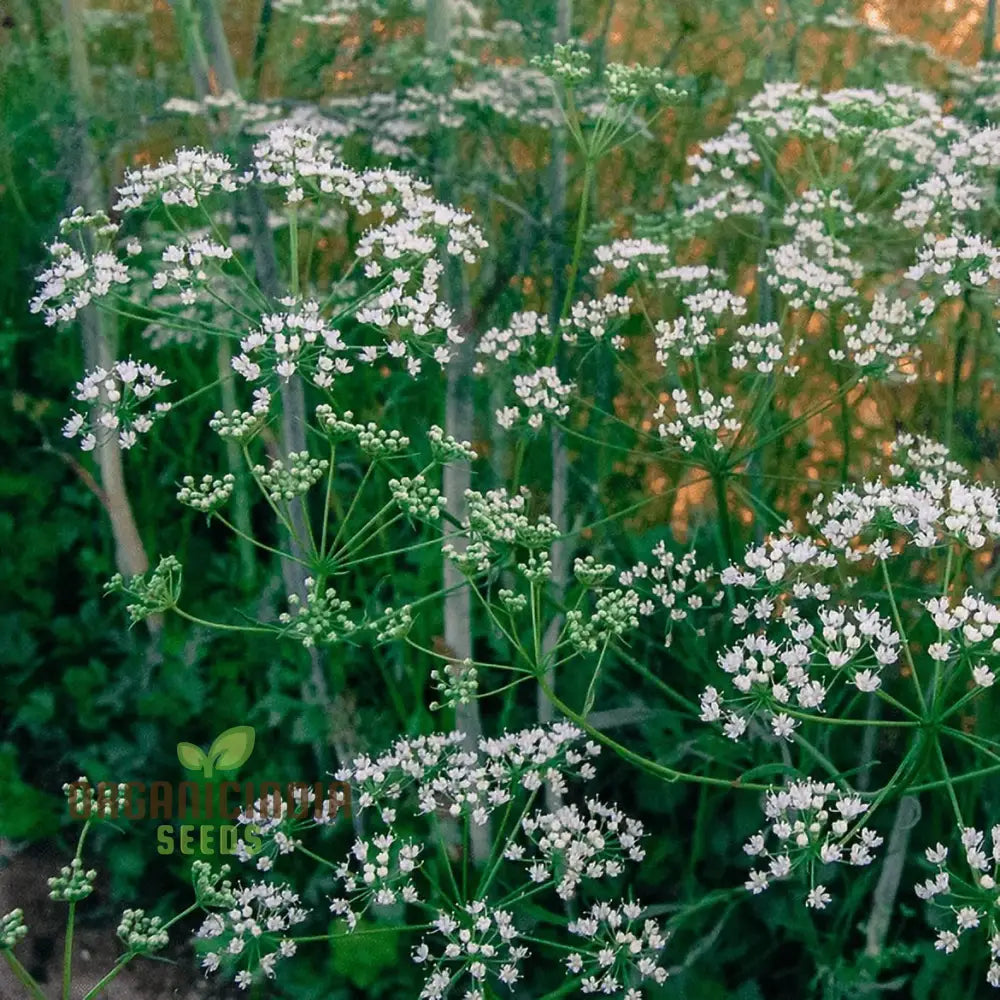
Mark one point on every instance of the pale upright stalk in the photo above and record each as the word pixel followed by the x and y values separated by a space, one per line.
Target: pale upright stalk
pixel 887 888
pixel 457 477
pixel 559 551
pixel 99 329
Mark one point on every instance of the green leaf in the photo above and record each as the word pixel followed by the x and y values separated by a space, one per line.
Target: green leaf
pixel 25 812
pixel 36 711
pixel 190 756
pixel 232 748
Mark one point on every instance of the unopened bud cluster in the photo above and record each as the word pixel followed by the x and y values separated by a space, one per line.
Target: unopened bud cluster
pixel 140 933
pixel 12 929
pixel 282 482
pixel 208 494
pixel 73 883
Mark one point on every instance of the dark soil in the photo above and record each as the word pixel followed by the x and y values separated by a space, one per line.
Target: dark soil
pixel 23 883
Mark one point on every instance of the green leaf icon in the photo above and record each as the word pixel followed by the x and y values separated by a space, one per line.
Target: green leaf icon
pixel 228 750
pixel 191 757
pixel 231 748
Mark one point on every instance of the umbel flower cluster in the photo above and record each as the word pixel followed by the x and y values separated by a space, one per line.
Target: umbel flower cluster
pixel 811 824
pixel 484 939
pixel 872 315
pixel 389 298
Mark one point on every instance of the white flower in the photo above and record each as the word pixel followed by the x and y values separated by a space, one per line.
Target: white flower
pixel 818 898
pixel 983 676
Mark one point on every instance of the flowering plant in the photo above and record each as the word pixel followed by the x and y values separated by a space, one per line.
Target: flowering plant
pixel 815 619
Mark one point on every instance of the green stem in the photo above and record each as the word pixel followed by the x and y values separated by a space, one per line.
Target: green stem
pixel 570 986
pixel 650 766
pixel 953 374
pixel 96 991
pixel 326 499
pixel 536 635
pixel 243 526
pixel 722 513
pixel 68 952
pixel 902 635
pixel 316 857
pixel 293 251
pixel 644 671
pixel 830 721
pixel 395 552
pixel 24 977
pixel 497 860
pixel 938 674
pixel 350 511
pixel 221 625
pixel 953 798
pixel 427 651
pixel 446 862
pixel 733 462
pixel 588 701
pixel 883 695
pixel 985 746
pixel 820 759
pixel 982 772
pixel 883 793
pixel 255 542
pixel 394 929
pixel 962 702
pixel 581 222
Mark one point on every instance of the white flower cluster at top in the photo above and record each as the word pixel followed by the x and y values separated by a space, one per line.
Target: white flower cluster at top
pixel 525 332
pixel 814 268
pixel 228 102
pixel 185 179
pixel 401 316
pixel 619 941
pixel 944 169
pixel 959 261
pixel 299 340
pixel 526 346
pixel 642 255
pixel 674 585
pixel 590 320
pixel 469 940
pixel 539 394
pixel 819 258
pixel 185 267
pixel 694 334
pixel 791 661
pixel 886 340
pixel 78 276
pixel 333 13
